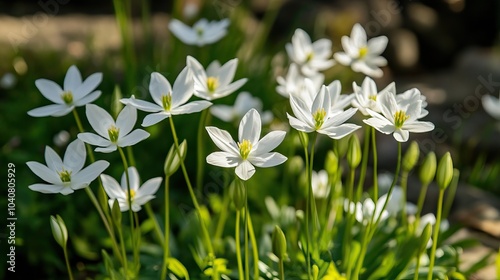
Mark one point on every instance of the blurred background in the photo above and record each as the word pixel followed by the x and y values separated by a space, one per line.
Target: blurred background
pixel 449 49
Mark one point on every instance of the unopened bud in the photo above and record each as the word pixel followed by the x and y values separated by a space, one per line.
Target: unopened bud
pixel 279 243
pixel 445 171
pixel 237 193
pixel 428 169
pixel 424 237
pixel 59 230
pixel 353 152
pixel 315 272
pixel 331 163
pixel 304 138
pixel 173 161
pixel 116 213
pixel 411 156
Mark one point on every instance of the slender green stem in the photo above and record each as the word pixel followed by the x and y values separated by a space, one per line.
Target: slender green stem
pixel 204 230
pixel 375 163
pixel 66 259
pixel 364 163
pixel 308 236
pixel 404 184
pixel 200 153
pixel 247 251
pixel 349 223
pixel 158 231
pixel 436 233
pixel 166 244
pixel 255 250
pixel 417 266
pixel 122 246
pixel 282 270
pixel 452 189
pixel 364 248
pixel 238 247
pixel 420 204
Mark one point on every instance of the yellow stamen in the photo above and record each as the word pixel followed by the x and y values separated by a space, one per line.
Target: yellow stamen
pixel 113 133
pixel 363 52
pixel 212 83
pixel 373 97
pixel 399 118
pixel 65 176
pixel 132 194
pixel 245 148
pixel 319 118
pixel 166 101
pixel 309 56
pixel 67 97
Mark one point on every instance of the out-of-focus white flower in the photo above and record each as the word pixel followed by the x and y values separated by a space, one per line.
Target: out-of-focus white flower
pixel 293 83
pixel 202 33
pixel 168 100
pixel 491 105
pixel 250 151
pixel 8 81
pixel 319 116
pixel 138 195
pixel 310 57
pixel 75 93
pixel 367 96
pixel 367 209
pixel 66 176
pixel 61 138
pixel 243 103
pixel 361 54
pixel 111 134
pixel 320 186
pixel 217 81
pixel 398 118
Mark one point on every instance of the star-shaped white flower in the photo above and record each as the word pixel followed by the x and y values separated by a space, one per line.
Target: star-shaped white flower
pixel 320 186
pixel 202 33
pixel 216 81
pixel 398 118
pixel 367 96
pixel 491 105
pixel 75 93
pixel 412 94
pixel 319 115
pixel 138 195
pixel 249 151
pixel 243 103
pixel 293 83
pixel 168 100
pixel 311 57
pixel 66 176
pixel 361 54
pixel 111 134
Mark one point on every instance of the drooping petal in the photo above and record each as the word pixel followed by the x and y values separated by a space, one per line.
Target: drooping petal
pixel 73 79
pixel 93 139
pixel 191 107
pixel 155 118
pixel 50 110
pixel 133 138
pixel 267 159
pixel 44 172
pixel 401 135
pixel 134 178
pixel 53 160
pixel 112 187
pixel 159 86
pixel 245 170
pixel 223 140
pixel 99 119
pixel 88 86
pixel 269 142
pixel 89 173
pixel 183 88
pixel 46 188
pixel 75 156
pixel 250 127
pixel 126 120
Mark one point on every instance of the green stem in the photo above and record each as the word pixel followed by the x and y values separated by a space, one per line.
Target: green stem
pixel 436 233
pixel 417 267
pixel 122 246
pixel 238 247
pixel 364 163
pixel 66 259
pixel 247 254
pixel 308 237
pixel 255 250
pixel 349 223
pixel 375 166
pixel 282 270
pixel 158 231
pixel 364 247
pixel 420 204
pixel 200 153
pixel 166 244
pixel 452 189
pixel 204 230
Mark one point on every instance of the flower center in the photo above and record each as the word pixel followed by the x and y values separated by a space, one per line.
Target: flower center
pixel 373 97
pixel 166 101
pixel 245 148
pixel 399 118
pixel 67 97
pixel 132 194
pixel 212 83
pixel 113 133
pixel 199 31
pixel 363 51
pixel 65 176
pixel 309 56
pixel 319 118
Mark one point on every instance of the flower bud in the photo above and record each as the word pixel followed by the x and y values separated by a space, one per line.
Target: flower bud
pixel 304 138
pixel 295 165
pixel 59 230
pixel 279 243
pixel 444 171
pixel 116 213
pixel 331 163
pixel 116 105
pixel 424 237
pixel 411 156
pixel 237 193
pixel 315 272
pixel 353 152
pixel 172 161
pixel 428 169
pixel 342 144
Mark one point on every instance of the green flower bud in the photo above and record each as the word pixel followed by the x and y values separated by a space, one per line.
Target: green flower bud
pixel 279 243
pixel 295 165
pixel 342 145
pixel 428 169
pixel 116 105
pixel 424 238
pixel 411 156
pixel 304 138
pixel 315 272
pixel 59 230
pixel 172 161
pixel 331 163
pixel 116 213
pixel 237 193
pixel 444 171
pixel 353 152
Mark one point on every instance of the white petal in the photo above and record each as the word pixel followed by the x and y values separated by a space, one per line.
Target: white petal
pixel 89 98
pixel 133 138
pixel 358 35
pixel 142 105
pixel 87 86
pixel 134 178
pixel 155 118
pixel 339 117
pixel 268 160
pixel 419 126
pixel 299 125
pixel 89 173
pixel 491 105
pixel 108 149
pixel 126 120
pixel 213 68
pixel 245 170
pixel 377 45
pixel 223 112
pixel 223 140
pixel 150 187
pixel 159 86
pixel 301 112
pixel 73 79
pixel 93 139
pixel 225 91
pixel 342 58
pixel 45 188
pixel 99 119
pixel 226 72
pixel 50 110
pixel 75 156
pixel 268 142
pixel 183 88
pixel 381 125
pixel 44 172
pixel 112 187
pixel 250 127
pixel 191 107
pixel 53 160
pixel 338 132
pixel 182 32
pixel 223 159
pixel 401 135
pixel 50 90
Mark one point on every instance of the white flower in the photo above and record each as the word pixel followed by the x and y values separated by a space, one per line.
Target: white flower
pixel 429 218
pixel 396 203
pixel 168 101
pixel 311 57
pixel 249 151
pixel 216 81
pixel 293 83
pixel 367 96
pixel 243 103
pixel 319 116
pixel 339 101
pixel 367 209
pixel 8 80
pixel 138 195
pixel 492 106
pixel 320 186
pixel 202 33
pixel 66 176
pixel 361 54
pixel 398 119
pixel 412 94
pixel 111 134
pixel 75 93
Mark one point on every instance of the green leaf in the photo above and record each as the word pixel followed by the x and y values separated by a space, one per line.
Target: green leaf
pixel 177 268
